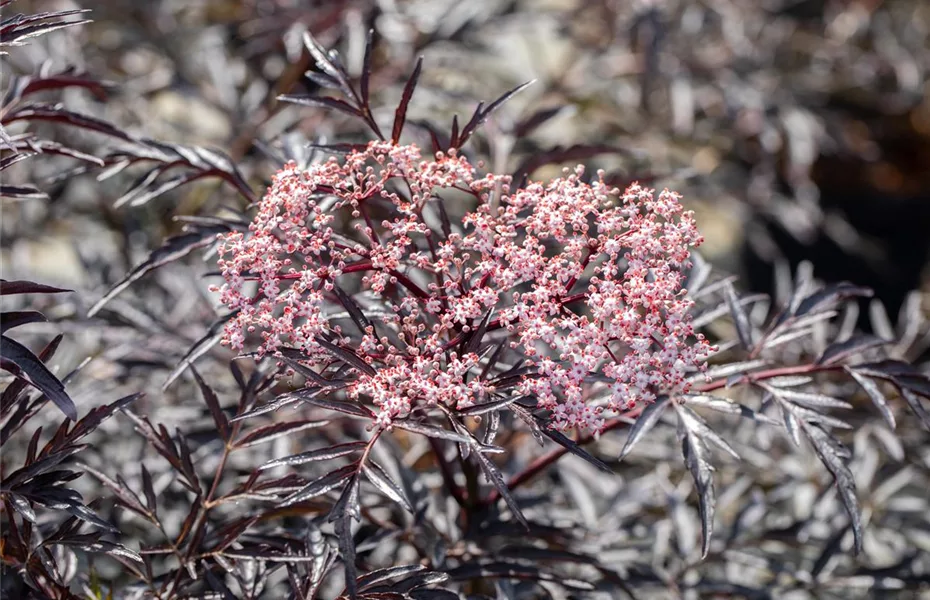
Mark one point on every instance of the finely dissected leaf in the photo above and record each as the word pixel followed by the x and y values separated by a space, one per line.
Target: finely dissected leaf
pixel 327 453
pixel 833 455
pixel 348 408
pixel 377 576
pixel 28 366
pixel 174 248
pixel 432 431
pixel 59 114
pixel 645 422
pixel 692 448
pixel 914 402
pixel 696 426
pixel 22 192
pixel 808 399
pixel 319 486
pixel 14 31
pixel 381 480
pixel 347 356
pixel 199 348
pixel 481 114
pixel 346 509
pixel 472 343
pixel 22 506
pixel 324 102
pixel 724 405
pixel 282 400
pixel 98 415
pixel 839 351
pixel 272 432
pixel 486 407
pixel 213 404
pixel 325 60
pixel 830 296
pixel 571 446
pixel 415 582
pixel 875 393
pixel 562 154
pixel 740 317
pixel 497 480
pixel 354 310
pixel 400 115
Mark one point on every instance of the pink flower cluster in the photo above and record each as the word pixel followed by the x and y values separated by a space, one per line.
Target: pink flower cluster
pixel 583 282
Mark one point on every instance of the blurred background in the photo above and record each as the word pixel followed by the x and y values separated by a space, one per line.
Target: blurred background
pixel 797 130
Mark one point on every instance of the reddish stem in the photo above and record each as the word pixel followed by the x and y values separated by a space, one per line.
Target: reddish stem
pixel 544 461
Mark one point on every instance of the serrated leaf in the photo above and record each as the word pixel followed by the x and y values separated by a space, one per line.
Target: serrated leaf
pixel 878 398
pixel 213 404
pixel 381 480
pixel 432 431
pixel 319 486
pixel 646 421
pixel 320 454
pixel 268 433
pixel 377 576
pixel 695 425
pixel 914 402
pixel 726 406
pixel 808 399
pixel 833 455
pixel 494 476
pixel 740 317
pixel 323 102
pixel 692 449
pixel 345 509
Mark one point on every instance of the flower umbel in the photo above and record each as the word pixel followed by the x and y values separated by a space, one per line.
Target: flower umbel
pixel 578 284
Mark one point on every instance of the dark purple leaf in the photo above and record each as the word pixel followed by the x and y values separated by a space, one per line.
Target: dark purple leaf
pixel 830 296
pixel 833 455
pixel 645 422
pixel 432 431
pixel 213 404
pixel 319 486
pixel 324 102
pixel 174 248
pixel 321 454
pixel 693 451
pixel 400 115
pixel 271 432
pixel 839 351
pixel 347 356
pixel 29 367
pixel 494 476
pixel 481 114
pixel 27 287
pixel 381 480
pixel 15 318
pixel 875 393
